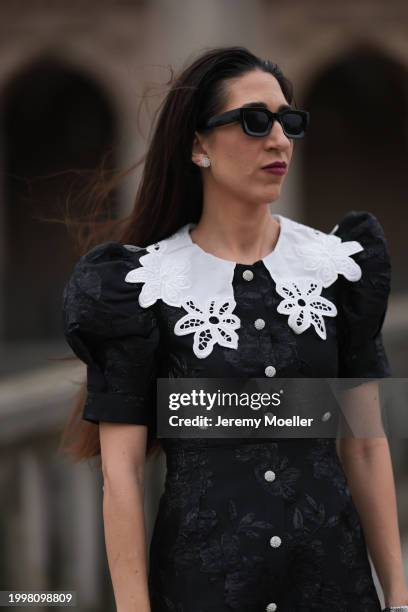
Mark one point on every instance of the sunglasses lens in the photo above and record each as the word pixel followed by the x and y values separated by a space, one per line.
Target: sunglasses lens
pixel 256 122
pixel 293 123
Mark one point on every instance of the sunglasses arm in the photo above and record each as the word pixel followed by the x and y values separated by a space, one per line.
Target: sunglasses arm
pixel 223 119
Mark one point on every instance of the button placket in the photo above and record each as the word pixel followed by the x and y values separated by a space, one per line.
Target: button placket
pixel 248 275
pixel 275 541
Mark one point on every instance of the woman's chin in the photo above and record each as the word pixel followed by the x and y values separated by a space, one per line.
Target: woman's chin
pixel 271 194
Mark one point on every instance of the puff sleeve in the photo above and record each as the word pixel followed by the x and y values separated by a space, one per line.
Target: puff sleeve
pixel 362 304
pixel 113 335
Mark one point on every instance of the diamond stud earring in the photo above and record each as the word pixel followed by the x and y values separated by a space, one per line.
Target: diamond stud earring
pixel 205 161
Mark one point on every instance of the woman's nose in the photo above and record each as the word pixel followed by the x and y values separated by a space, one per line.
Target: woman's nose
pixel 277 136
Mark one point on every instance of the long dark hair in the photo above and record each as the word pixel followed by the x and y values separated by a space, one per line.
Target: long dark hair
pixel 170 189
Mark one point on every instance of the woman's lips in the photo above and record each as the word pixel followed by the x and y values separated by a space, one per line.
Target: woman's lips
pixel 275 170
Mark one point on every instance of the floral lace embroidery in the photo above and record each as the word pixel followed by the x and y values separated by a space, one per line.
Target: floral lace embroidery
pixel 162 278
pixel 213 324
pixel 304 305
pixel 329 257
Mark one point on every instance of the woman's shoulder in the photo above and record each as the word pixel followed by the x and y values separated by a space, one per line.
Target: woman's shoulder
pixel 114 282
pixel 363 303
pixel 353 225
pixel 102 269
pixel 96 296
pixel 354 253
pixel 355 246
pixel 365 227
pixel 373 257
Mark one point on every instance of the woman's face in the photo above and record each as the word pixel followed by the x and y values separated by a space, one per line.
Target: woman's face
pixel 236 158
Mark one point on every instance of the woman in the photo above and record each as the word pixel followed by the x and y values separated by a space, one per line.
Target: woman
pixel 206 282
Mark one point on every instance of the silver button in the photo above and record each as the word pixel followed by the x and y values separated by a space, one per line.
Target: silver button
pixel 247 275
pixel 259 323
pixel 270 370
pixel 275 541
pixel 271 607
pixel 326 416
pixel 269 475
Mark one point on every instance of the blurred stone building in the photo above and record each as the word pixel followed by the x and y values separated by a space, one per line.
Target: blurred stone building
pixel 72 75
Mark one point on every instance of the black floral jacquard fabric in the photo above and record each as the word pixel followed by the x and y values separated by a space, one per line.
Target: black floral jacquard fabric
pixel 245 525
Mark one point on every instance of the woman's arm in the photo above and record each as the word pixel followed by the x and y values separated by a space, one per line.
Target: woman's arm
pixel 367 464
pixel 123 455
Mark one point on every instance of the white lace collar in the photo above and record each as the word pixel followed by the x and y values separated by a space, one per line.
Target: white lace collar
pixel 179 272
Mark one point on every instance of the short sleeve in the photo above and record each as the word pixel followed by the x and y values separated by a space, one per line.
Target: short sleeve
pixel 362 304
pixel 113 335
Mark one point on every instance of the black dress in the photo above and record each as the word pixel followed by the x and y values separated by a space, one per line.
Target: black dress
pixel 243 524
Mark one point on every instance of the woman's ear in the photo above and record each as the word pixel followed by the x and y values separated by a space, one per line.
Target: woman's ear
pixel 197 150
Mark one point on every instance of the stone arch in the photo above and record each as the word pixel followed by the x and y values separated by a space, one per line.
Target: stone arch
pixel 355 154
pixel 56 118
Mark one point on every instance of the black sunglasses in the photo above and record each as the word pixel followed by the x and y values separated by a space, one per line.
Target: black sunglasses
pixel 258 121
